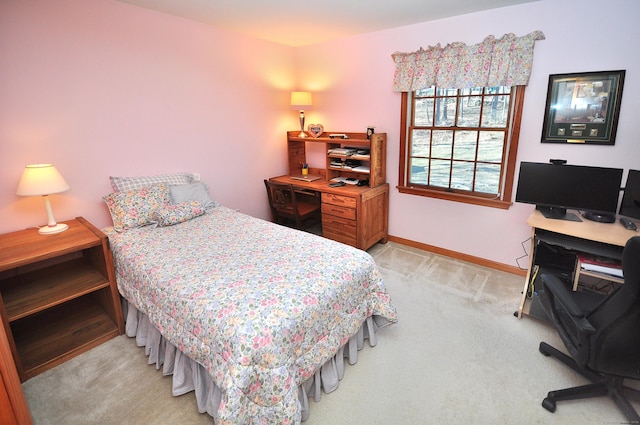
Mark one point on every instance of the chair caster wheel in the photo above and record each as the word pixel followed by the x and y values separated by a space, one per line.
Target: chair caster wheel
pixel 543 349
pixel 549 404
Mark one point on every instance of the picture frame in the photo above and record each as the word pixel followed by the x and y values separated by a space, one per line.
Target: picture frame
pixel 315 130
pixel 583 108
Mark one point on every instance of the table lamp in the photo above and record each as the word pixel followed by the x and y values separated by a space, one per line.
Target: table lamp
pixel 43 180
pixel 301 100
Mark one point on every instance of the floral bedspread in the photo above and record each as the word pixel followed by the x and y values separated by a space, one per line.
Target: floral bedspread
pixel 260 306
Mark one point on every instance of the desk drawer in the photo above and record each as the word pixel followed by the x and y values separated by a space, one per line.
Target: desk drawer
pixel 339 200
pixel 339 229
pixel 338 211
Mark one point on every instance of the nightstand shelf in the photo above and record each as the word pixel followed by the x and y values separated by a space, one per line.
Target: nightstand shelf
pixel 49 287
pixel 47 339
pixel 58 296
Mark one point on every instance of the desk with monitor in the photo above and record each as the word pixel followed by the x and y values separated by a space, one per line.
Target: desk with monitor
pixel 575 234
pixel 591 238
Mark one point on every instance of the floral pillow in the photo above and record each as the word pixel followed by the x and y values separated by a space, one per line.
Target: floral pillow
pixel 177 213
pixel 134 208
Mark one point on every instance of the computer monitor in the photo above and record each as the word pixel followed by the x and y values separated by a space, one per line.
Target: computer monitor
pixel 630 205
pixel 555 188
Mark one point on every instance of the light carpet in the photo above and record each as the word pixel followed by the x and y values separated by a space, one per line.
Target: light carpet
pixel 457 356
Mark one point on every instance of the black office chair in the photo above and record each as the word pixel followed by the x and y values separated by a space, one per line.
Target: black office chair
pixel 601 334
pixel 288 210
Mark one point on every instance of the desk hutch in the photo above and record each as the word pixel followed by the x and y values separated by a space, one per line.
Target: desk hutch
pixel 351 214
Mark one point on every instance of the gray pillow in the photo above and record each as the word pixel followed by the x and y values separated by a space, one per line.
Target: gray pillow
pixel 123 184
pixel 192 192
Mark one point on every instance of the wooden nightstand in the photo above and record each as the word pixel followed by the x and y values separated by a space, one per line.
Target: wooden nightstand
pixel 58 295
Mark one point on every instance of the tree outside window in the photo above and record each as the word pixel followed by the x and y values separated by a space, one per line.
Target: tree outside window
pixel 460 144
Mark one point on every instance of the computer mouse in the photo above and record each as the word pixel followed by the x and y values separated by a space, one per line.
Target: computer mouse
pixel 628 224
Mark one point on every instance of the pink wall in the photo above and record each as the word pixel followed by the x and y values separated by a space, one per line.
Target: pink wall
pixel 581 35
pixel 103 88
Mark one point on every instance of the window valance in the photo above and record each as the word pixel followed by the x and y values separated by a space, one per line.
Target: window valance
pixel 494 62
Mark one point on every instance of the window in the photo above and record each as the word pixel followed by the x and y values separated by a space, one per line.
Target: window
pixel 460 144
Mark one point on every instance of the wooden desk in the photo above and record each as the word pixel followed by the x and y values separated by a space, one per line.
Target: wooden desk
pixel 355 215
pixel 610 233
pixel 602 239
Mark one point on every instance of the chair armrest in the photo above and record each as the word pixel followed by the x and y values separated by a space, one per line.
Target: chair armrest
pixel 560 293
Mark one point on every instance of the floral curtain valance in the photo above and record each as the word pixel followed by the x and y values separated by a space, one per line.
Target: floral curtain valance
pixel 494 62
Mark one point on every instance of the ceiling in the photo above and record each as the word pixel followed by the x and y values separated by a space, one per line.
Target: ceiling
pixel 302 22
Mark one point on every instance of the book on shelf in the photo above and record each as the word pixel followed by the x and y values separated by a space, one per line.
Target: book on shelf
pixel 341 151
pixel 361 157
pixel 600 265
pixel 362 154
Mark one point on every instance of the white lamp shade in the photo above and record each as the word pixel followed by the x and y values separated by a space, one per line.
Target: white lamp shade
pixel 300 100
pixel 41 179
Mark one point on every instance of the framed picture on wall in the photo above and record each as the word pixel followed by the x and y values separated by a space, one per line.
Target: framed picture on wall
pixel 583 107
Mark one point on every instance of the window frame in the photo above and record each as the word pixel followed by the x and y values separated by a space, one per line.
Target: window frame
pixel 509 163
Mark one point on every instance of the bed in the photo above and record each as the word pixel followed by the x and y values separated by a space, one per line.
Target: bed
pixel 252 316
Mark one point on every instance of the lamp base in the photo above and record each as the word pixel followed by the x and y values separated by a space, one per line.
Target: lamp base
pixel 51 230
pixel 302 133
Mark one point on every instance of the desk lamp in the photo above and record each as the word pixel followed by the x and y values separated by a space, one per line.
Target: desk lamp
pixel 43 180
pixel 301 100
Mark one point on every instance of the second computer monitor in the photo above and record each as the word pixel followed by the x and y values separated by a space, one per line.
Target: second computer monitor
pixel 630 206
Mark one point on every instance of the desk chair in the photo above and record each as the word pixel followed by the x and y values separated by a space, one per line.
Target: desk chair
pixel 286 208
pixel 601 334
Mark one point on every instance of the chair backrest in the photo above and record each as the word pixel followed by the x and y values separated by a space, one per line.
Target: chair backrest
pixel 282 199
pixel 287 208
pixel 615 347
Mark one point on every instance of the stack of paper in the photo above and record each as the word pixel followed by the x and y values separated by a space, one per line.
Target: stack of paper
pixel 362 168
pixel 341 151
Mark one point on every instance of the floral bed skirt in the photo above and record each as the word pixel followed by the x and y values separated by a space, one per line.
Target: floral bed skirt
pixel 189 375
